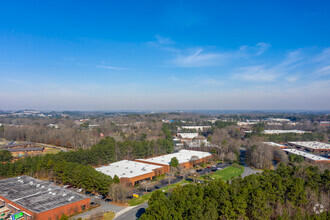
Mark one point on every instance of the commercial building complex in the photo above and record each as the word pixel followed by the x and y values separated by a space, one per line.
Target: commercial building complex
pixel 131 172
pixel 186 158
pixel 312 146
pixel 308 156
pixel 39 200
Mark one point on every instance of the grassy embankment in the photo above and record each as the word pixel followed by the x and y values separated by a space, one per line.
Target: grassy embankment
pixel 146 197
pixel 225 174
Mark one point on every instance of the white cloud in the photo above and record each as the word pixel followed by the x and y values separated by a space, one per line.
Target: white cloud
pixel 198 59
pixel 111 67
pixel 256 73
pixel 269 73
pixel 323 71
pixel 258 49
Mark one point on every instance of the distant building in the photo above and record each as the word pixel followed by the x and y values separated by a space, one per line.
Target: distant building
pixel 197 128
pixel 54 126
pixel 39 200
pixel 187 136
pixel 278 119
pixel 246 124
pixel 186 158
pixel 312 146
pixel 276 145
pixel 283 131
pixel 131 172
pixel 310 157
pixel 325 123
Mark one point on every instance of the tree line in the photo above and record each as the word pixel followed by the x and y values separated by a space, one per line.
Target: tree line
pixel 290 192
pixel 75 167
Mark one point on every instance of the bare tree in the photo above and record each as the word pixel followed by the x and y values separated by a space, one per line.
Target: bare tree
pixel 146 185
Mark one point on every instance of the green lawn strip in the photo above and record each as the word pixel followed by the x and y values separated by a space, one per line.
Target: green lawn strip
pixel 146 197
pixel 228 173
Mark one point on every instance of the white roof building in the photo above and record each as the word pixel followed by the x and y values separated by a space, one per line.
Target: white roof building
pixel 283 131
pixel 127 169
pixel 183 156
pixel 307 155
pixel 273 144
pixel 312 145
pixel 187 135
pixel 201 128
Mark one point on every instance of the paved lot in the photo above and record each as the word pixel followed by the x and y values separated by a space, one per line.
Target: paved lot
pixel 249 171
pixel 132 213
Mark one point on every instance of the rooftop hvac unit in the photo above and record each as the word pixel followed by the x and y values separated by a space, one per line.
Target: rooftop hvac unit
pixel 38 185
pixel 31 183
pixel 54 194
pixel 64 194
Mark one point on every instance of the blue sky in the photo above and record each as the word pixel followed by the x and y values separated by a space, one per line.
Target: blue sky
pixel 165 55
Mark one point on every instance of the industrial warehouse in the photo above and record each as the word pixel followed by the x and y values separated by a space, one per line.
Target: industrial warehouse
pixel 186 158
pixel 308 156
pixel 30 198
pixel 131 172
pixel 312 146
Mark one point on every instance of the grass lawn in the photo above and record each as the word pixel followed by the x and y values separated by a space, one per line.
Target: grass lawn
pixel 146 197
pixel 49 150
pixel 228 173
pixel 108 216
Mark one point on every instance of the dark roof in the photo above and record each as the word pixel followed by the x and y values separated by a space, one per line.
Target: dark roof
pixel 18 145
pixel 25 149
pixel 36 195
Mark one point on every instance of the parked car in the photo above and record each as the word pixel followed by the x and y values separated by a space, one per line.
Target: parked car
pixel 80 190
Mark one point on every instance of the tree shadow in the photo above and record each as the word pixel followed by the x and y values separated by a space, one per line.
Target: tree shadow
pixel 140 212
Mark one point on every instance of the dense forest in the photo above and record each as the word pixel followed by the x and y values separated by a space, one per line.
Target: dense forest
pixel 75 167
pixel 289 192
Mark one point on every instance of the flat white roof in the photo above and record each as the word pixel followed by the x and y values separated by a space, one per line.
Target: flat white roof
pixel 188 135
pixel 127 168
pixel 196 127
pixel 283 131
pixel 306 155
pixel 182 156
pixel 312 144
pixel 274 144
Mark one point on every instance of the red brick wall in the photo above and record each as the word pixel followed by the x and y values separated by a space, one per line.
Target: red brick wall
pixel 186 165
pixel 53 213
pixel 69 209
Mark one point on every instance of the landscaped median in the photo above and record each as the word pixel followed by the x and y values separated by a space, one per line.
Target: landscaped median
pixel 146 197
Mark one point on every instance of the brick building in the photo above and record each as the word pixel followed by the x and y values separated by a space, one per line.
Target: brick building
pixel 312 146
pixel 308 156
pixel 131 172
pixel 39 200
pixel 186 158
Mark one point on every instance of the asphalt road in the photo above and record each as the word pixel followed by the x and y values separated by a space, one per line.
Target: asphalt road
pixel 249 171
pixel 133 213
